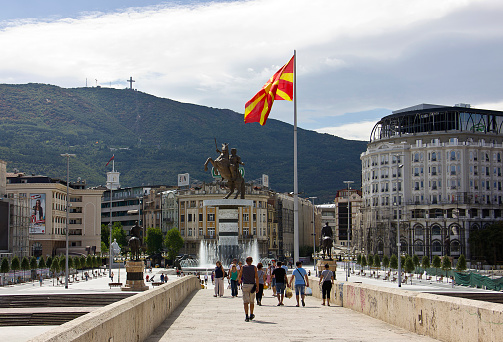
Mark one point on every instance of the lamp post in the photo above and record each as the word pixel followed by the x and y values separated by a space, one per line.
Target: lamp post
pixel 314 236
pixel 398 244
pixel 349 229
pixel 110 227
pixel 67 156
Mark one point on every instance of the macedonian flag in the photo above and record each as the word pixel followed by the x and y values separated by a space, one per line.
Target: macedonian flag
pixel 279 87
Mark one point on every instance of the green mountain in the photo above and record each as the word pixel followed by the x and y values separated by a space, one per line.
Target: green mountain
pixel 154 139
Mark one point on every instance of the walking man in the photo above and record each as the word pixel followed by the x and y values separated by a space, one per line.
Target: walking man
pixel 273 281
pixel 248 276
pixel 279 274
pixel 301 281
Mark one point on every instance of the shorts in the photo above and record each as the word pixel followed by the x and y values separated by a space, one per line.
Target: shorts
pixel 301 289
pixel 248 297
pixel 280 288
pixel 273 282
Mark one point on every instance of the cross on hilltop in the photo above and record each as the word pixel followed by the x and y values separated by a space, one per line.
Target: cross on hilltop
pixel 130 82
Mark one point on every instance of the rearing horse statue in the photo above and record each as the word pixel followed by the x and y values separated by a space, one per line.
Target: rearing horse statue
pixel 225 168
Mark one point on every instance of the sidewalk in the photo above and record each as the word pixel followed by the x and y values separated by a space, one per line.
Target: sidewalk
pixel 204 317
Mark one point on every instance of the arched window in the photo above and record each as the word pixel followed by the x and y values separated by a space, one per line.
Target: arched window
pixel 436 247
pixel 435 230
pixel 455 247
pixel 418 230
pixel 419 247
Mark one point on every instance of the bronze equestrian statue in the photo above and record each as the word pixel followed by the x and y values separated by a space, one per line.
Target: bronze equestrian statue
pixel 326 241
pixel 228 167
pixel 135 241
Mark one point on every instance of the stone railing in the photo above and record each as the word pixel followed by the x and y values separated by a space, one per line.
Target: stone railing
pixel 131 319
pixel 441 317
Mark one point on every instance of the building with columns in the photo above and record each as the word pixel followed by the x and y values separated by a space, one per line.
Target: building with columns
pixel 436 173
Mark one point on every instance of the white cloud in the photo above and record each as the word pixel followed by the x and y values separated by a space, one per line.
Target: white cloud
pixel 352 55
pixel 351 131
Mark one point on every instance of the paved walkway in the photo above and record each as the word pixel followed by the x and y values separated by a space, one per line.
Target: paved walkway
pixel 204 317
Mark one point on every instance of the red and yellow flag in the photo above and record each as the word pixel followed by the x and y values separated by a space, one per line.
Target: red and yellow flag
pixel 279 87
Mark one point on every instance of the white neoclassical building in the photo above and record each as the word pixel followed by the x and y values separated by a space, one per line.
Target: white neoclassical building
pixel 440 168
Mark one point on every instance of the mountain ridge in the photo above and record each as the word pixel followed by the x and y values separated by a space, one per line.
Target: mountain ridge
pixel 160 138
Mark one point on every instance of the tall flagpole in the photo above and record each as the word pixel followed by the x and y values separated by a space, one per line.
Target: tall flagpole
pixel 295 182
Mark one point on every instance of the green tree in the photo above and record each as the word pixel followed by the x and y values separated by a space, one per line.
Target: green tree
pixel 393 262
pixel 4 267
pixel 437 263
pixel 154 240
pixel 415 260
pixel 55 268
pixel 41 262
pixel 25 264
pixel 62 263
pixel 33 263
pixel 83 262
pixel 173 242
pixel 71 262
pixel 359 259
pixel 104 248
pixel 377 262
pixel 425 263
pixel 385 261
pixel 89 261
pixel 119 234
pixel 15 265
pixel 48 262
pixel 76 263
pixel 446 263
pixel 364 262
pixel 461 265
pixel 105 236
pixel 409 264
pixel 370 260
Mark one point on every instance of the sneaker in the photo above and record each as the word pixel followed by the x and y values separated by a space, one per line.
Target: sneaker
pixel 279 304
pixel 303 303
pixel 252 316
pixel 247 319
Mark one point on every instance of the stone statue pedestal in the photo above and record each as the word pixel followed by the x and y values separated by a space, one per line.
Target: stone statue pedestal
pixel 332 265
pixel 134 281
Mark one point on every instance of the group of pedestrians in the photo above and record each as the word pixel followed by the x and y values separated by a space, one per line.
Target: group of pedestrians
pixel 252 279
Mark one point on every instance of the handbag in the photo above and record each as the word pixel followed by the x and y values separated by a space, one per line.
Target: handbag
pixel 288 292
pixel 254 288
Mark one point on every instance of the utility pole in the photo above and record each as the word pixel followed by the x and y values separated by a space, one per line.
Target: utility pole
pixel 349 229
pixel 67 156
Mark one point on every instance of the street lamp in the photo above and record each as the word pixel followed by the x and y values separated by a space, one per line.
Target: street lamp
pixel 67 156
pixel 398 244
pixel 349 229
pixel 314 236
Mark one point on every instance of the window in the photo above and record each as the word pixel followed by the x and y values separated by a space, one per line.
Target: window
pixel 433 156
pixel 419 246
pixel 189 218
pixel 182 218
pixel 435 230
pixel 437 246
pixel 200 217
pixel 453 155
pixel 246 217
pixel 211 217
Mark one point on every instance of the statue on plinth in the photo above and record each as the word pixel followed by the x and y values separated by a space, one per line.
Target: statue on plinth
pixel 326 241
pixel 135 241
pixel 228 167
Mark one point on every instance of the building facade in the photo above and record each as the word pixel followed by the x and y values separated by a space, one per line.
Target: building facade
pixel 46 199
pixel 347 204
pixel 436 173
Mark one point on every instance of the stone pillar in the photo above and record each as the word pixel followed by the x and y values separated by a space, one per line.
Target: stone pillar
pixel 134 281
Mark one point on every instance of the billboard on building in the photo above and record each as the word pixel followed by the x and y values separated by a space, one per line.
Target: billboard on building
pixel 183 179
pixel 37 207
pixel 265 181
pixel 4 226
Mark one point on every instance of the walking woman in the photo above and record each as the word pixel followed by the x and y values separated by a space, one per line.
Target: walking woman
pixel 326 281
pixel 219 280
pixel 261 281
pixel 233 275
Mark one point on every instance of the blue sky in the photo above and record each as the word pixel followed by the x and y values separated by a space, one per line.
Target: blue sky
pixel 357 60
